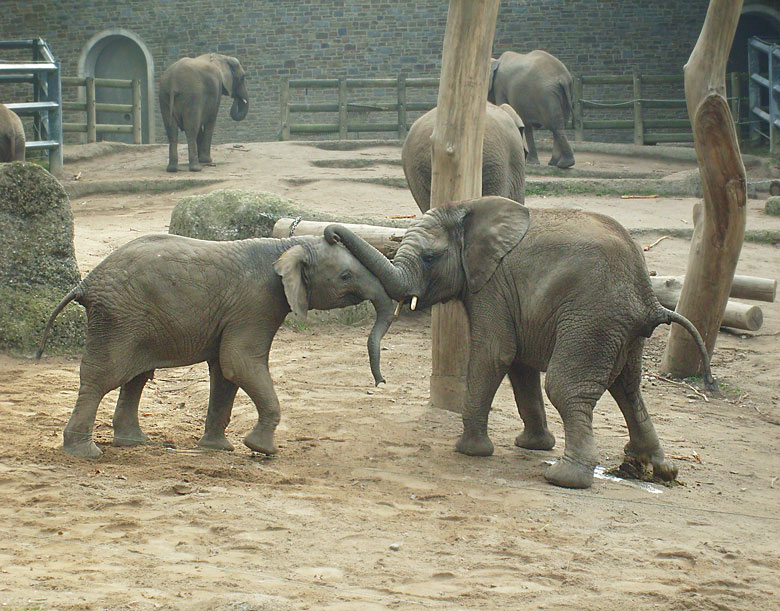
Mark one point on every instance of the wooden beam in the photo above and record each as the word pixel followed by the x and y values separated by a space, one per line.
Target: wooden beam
pixel 457 171
pixel 717 238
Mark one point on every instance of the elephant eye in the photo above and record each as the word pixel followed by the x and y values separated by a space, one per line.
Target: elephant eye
pixel 428 257
pixel 345 276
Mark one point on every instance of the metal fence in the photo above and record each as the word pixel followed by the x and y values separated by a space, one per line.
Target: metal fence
pixel 43 73
pixel 764 91
pixel 89 106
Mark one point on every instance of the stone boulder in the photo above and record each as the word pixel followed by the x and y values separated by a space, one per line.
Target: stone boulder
pixel 37 261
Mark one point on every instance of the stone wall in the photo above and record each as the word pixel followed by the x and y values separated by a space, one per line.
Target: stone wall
pixel 357 38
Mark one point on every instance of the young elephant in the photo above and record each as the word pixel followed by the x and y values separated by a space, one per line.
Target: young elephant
pixel 190 92
pixel 167 301
pixel 556 290
pixel 12 139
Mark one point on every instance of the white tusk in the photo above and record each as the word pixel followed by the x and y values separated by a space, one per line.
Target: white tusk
pixel 397 312
pixel 245 101
pixel 413 305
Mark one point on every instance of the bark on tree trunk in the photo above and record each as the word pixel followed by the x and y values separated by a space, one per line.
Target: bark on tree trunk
pixel 457 170
pixel 717 239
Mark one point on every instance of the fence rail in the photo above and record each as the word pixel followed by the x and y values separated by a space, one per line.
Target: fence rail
pixel 43 73
pixel 764 86
pixel 91 127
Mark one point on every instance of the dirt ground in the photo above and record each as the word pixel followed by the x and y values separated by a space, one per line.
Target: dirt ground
pixel 367 506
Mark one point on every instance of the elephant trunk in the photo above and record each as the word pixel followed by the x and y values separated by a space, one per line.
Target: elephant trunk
pixel 394 279
pixel 384 318
pixel 239 108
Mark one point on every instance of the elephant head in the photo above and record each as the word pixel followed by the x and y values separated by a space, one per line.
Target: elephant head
pixel 322 276
pixel 234 85
pixel 449 250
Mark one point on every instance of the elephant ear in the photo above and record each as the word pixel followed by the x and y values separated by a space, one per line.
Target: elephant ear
pixel 518 123
pixel 493 70
pixel 291 266
pixel 492 226
pixel 226 70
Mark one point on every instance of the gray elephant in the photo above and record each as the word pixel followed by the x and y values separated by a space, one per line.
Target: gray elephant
pixel 538 86
pixel 11 135
pixel 503 155
pixel 555 290
pixel 167 301
pixel 190 92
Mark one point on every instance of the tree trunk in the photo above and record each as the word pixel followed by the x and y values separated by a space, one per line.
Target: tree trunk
pixel 457 170
pixel 717 239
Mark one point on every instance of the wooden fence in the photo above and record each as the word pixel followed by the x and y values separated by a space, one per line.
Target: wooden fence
pixel 343 107
pixel 646 130
pixel 91 107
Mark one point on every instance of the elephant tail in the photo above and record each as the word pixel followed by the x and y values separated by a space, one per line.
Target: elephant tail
pixel 668 317
pixel 75 294
pixel 566 98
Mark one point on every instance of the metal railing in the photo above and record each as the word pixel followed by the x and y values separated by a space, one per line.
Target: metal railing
pixel 91 127
pixel 764 91
pixel 347 124
pixel 43 73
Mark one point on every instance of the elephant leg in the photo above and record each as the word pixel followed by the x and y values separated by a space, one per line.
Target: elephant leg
pixel 77 436
pixel 19 150
pixel 204 142
pixel 563 156
pixel 192 148
pixel 127 430
pixel 172 132
pixel 533 157
pixel 527 388
pixel 576 378
pixel 221 397
pixel 644 448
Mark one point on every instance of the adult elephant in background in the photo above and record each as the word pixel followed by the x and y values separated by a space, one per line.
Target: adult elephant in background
pixel 538 86
pixel 11 135
pixel 503 155
pixel 169 301
pixel 558 290
pixel 190 93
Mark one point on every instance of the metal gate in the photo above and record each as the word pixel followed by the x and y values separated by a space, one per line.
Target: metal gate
pixel 764 68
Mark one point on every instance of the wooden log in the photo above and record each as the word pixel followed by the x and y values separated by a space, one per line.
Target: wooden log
pixel 385 239
pixel 743 287
pixel 736 315
pixel 717 239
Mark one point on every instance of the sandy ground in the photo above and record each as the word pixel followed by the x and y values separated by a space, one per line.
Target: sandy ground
pixel 367 506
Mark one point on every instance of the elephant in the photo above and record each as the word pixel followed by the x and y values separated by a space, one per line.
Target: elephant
pixel 11 135
pixel 558 290
pixel 166 301
pixel 503 155
pixel 190 92
pixel 539 87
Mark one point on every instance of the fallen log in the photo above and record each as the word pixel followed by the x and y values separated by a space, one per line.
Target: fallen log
pixel 742 287
pixel 737 315
pixel 385 239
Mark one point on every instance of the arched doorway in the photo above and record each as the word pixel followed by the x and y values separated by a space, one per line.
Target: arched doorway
pixel 121 54
pixel 760 19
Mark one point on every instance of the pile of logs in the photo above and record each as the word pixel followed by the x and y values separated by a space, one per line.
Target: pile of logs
pixel 738 315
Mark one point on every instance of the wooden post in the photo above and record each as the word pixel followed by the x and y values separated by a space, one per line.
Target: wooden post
pixel 457 170
pixel 284 111
pixel 342 109
pixel 717 238
pixel 91 114
pixel 401 107
pixel 137 138
pixel 639 128
pixel 579 130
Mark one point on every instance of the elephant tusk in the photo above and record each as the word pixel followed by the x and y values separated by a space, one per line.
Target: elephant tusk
pixel 245 101
pixel 397 312
pixel 413 305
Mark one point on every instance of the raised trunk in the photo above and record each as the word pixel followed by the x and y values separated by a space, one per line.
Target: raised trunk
pixel 393 278
pixel 239 109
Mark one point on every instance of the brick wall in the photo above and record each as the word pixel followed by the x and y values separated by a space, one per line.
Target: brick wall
pixel 282 39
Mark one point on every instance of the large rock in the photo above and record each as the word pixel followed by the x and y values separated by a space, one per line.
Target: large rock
pixel 37 261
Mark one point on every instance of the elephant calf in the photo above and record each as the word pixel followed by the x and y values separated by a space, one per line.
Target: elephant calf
pixel 168 301
pixel 11 135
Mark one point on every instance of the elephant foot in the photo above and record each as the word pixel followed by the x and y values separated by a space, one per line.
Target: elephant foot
pixel 80 445
pixel 474 445
pixel 638 463
pixel 532 160
pixel 215 441
pixel 565 162
pixel 195 167
pixel 129 438
pixel 553 161
pixel 568 473
pixel 172 167
pixel 261 440
pixel 544 440
pixel 206 161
